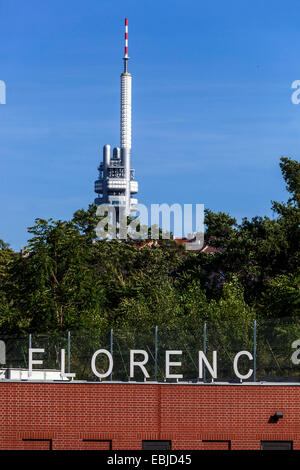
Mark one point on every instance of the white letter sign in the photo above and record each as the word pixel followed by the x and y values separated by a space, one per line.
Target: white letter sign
pixel 172 364
pixel 31 361
pixel 62 365
pixel 235 365
pixel 93 364
pixel 212 370
pixel 140 364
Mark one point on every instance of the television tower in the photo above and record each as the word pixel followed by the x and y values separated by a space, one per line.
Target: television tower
pixel 116 179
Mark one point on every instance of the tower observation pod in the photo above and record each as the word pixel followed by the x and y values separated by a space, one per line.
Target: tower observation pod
pixel 116 183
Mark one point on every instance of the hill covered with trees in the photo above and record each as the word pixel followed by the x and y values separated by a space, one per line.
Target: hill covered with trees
pixel 64 279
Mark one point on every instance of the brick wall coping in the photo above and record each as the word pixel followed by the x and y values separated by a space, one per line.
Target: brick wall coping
pixel 115 382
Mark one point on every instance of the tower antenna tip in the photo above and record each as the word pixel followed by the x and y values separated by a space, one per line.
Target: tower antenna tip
pixel 126 57
pixel 126 39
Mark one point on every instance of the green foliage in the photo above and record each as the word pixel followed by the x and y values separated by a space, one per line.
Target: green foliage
pixel 220 225
pixel 231 309
pixel 291 174
pixel 281 297
pixel 3 245
pixel 53 285
pixel 86 221
pixel 67 279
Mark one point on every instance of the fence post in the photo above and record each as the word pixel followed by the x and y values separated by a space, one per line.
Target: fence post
pixel 111 346
pixel 69 352
pixel 204 351
pixel 29 341
pixel 254 352
pixel 156 351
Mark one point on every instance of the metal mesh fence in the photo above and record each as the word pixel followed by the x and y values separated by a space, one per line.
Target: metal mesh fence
pixel 272 347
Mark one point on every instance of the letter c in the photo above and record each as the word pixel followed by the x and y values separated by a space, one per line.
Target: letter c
pixel 235 365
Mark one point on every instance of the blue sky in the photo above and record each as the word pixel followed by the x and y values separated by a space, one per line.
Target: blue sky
pixel 212 110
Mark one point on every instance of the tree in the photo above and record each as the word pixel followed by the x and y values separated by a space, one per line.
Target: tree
pixel 66 278
pixel 291 174
pixel 86 221
pixel 3 245
pixel 218 225
pixel 281 297
pixel 54 285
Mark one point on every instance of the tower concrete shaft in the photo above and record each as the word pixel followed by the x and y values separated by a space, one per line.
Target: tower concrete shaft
pixel 125 132
pixel 125 114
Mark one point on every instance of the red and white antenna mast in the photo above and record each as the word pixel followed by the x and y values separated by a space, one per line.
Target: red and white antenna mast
pixel 126 56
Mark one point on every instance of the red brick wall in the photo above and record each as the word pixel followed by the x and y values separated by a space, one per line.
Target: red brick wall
pixel 77 415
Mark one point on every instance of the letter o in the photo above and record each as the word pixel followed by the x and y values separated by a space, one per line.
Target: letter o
pixel 93 363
